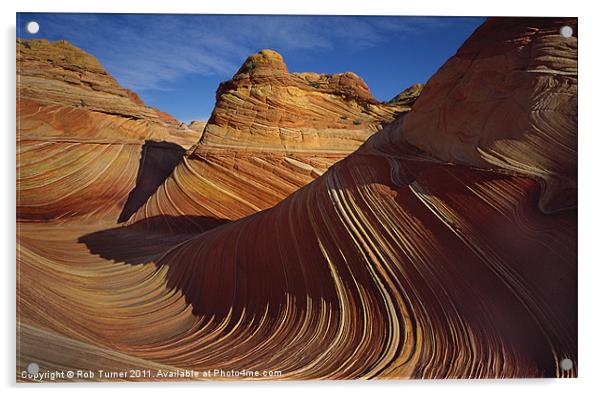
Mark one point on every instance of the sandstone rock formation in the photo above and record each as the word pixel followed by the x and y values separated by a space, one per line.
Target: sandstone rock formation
pixel 65 93
pixel 406 259
pixel 79 133
pixel 264 106
pixel 408 96
pixel 271 132
pixel 507 100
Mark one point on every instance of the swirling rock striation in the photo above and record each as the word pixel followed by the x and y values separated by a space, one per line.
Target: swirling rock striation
pixel 507 100
pixel 79 134
pixel 264 106
pixel 63 92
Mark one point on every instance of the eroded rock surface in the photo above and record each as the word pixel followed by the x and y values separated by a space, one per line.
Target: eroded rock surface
pixel 271 132
pixel 63 92
pixel 265 106
pixel 507 100
pixel 79 134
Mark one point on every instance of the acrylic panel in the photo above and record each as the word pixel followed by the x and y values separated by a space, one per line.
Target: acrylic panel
pixel 270 197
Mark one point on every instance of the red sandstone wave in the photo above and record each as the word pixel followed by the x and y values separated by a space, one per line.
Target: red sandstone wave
pixel 80 135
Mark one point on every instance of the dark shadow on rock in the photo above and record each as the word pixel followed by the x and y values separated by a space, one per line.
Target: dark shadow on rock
pixel 157 161
pixel 148 239
pixel 215 277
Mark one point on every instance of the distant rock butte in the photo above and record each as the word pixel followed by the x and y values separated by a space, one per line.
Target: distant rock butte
pixel 68 101
pixel 265 106
pixel 197 126
pixel 65 93
pixel 408 96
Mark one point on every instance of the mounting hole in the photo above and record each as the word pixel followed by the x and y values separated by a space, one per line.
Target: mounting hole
pixel 32 27
pixel 566 364
pixel 566 31
pixel 33 368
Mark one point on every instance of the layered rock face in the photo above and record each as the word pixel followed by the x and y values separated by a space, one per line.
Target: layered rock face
pixel 264 106
pixel 79 134
pixel 403 260
pixel 271 132
pixel 64 92
pixel 507 100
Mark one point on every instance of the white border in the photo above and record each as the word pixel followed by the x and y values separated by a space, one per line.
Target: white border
pixel 590 168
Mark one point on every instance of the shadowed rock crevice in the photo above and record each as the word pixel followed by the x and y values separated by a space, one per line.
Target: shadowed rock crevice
pixel 157 161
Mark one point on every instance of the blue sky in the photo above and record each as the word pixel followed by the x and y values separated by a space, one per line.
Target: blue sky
pixel 176 62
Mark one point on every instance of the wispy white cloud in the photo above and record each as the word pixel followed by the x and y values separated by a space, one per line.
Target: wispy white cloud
pixel 150 51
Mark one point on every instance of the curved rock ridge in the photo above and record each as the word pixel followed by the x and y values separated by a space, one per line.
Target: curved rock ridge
pixel 81 136
pixel 65 93
pixel 265 106
pixel 400 267
pixel 215 183
pixel 401 262
pixel 382 268
pixel 507 100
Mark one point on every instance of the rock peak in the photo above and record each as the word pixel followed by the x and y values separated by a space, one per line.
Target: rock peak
pixel 264 105
pixel 270 55
pixel 265 61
